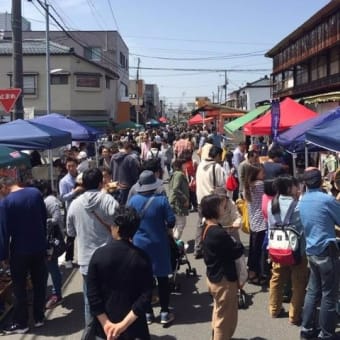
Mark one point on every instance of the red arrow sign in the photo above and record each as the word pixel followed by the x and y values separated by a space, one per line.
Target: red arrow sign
pixel 8 97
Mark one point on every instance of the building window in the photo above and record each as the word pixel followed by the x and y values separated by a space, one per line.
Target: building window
pixel 301 74
pixel 93 53
pixel 88 80
pixel 123 90
pixel 59 79
pixel 334 61
pixel 122 60
pixel 107 82
pixel 30 84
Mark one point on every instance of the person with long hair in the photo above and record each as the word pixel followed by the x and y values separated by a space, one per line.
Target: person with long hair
pixel 253 190
pixel 286 188
pixel 220 252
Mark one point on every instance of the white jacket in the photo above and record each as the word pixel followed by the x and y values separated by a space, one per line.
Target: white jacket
pixel 205 179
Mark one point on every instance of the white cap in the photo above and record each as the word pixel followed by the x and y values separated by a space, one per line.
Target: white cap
pixel 82 155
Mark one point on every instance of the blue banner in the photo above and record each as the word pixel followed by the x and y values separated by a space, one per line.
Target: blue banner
pixel 275 118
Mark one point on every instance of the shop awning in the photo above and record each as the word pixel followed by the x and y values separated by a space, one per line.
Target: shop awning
pixel 248 117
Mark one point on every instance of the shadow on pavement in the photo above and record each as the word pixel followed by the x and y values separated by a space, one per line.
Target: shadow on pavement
pixel 163 337
pixel 190 305
pixel 68 321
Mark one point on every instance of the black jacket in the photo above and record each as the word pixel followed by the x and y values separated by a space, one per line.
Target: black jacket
pixel 220 252
pixel 119 280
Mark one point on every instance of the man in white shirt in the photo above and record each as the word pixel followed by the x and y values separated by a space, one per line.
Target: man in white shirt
pixel 209 176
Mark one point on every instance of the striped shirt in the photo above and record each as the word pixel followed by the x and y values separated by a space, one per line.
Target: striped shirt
pixel 257 221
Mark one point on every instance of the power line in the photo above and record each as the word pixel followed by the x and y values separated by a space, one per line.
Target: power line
pixel 78 41
pixel 93 11
pixel 200 41
pixel 200 69
pixel 231 56
pixel 113 15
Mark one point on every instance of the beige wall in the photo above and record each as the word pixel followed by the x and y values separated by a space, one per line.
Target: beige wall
pixel 65 98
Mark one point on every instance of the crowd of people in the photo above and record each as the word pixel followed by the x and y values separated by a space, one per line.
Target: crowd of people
pixel 120 216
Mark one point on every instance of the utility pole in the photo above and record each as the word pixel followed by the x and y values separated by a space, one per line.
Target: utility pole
pixel 48 65
pixel 225 86
pixel 137 92
pixel 17 80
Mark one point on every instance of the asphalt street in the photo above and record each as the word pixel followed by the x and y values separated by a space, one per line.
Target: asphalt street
pixel 191 305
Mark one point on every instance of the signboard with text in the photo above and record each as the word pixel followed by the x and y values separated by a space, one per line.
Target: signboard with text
pixel 8 97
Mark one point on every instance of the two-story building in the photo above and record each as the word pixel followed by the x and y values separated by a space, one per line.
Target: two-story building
pixel 105 48
pixel 246 97
pixel 306 63
pixel 80 88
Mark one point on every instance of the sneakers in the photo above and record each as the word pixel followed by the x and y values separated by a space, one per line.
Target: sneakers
pixel 167 317
pixel 53 301
pixel 309 334
pixel 39 324
pixel 150 318
pixel 68 264
pixel 16 329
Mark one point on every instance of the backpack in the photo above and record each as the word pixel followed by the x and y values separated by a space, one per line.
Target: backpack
pixel 284 241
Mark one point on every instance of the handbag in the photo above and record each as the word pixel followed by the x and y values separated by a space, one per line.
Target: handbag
pixel 56 245
pixel 243 210
pixel 231 183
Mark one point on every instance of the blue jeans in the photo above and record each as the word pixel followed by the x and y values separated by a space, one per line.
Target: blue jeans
pixel 322 286
pixel 53 269
pixel 88 316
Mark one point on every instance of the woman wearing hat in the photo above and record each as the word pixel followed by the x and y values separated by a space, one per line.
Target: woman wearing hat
pixel 157 218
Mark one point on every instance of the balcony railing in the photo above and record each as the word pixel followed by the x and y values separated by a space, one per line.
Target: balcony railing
pixel 313 86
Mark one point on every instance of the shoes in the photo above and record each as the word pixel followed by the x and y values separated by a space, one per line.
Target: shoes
pixel 39 324
pixel 53 301
pixel 258 281
pixel 68 264
pixel 280 314
pixel 167 317
pixel 16 329
pixel 150 318
pixel 309 334
pixel 294 323
pixel 198 255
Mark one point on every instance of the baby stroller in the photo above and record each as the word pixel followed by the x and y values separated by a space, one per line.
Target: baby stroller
pixel 179 257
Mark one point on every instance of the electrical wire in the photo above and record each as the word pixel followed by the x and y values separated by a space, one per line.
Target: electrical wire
pixel 199 69
pixel 113 15
pixel 78 41
pixel 231 56
pixel 93 11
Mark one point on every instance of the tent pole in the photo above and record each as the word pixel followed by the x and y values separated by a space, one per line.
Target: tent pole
pixel 306 156
pixel 294 164
pixel 97 156
pixel 50 160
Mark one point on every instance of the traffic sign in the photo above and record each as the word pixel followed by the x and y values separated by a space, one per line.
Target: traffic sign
pixel 8 97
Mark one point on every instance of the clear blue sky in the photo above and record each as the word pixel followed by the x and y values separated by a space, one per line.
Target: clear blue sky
pixel 220 30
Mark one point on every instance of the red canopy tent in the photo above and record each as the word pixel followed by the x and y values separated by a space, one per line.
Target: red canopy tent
pixel 198 119
pixel 291 113
pixel 163 120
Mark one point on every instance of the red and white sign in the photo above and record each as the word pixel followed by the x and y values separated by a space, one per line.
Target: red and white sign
pixel 8 97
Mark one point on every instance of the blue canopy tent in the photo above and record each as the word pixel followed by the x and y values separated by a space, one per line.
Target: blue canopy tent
pixel 294 138
pixel 79 131
pixel 22 134
pixel 326 135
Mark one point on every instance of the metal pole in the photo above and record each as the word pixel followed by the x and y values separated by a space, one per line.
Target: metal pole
pixel 48 65
pixel 294 155
pixel 18 81
pixel 48 84
pixel 225 86
pixel 137 92
pixel 306 156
